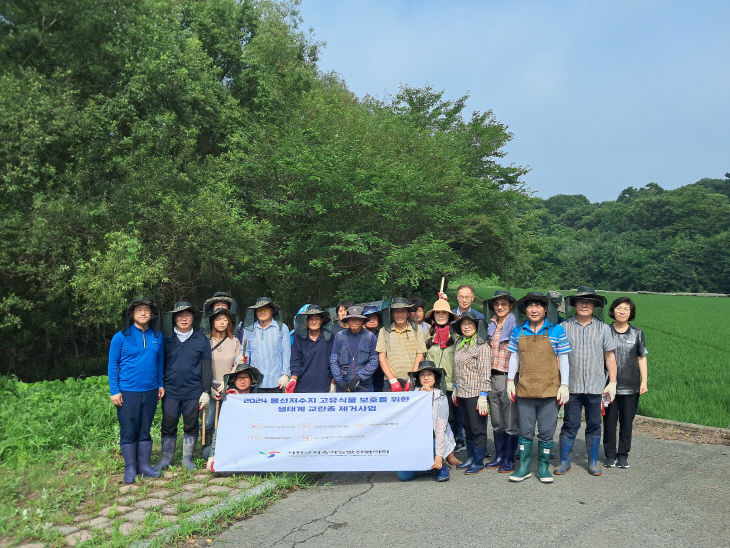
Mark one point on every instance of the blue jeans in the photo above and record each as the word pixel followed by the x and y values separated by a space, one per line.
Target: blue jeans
pixel 573 409
pixel 135 416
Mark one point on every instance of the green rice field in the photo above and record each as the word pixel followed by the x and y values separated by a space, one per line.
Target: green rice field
pixel 689 353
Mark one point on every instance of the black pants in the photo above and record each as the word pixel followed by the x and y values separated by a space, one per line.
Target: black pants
pixel 623 410
pixel 475 425
pixel 454 418
pixel 171 411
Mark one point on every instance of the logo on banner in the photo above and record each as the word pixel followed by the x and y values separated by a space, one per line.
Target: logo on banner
pixel 269 454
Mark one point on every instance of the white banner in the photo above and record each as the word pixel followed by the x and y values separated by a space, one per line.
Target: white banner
pixel 362 431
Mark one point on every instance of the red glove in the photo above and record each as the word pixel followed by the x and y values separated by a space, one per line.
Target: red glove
pixel 231 391
pixel 395 386
pixel 455 400
pixel 290 386
pixel 407 387
pixel 443 296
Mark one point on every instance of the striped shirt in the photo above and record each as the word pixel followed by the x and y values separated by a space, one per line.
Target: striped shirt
pixel 587 362
pixel 401 348
pixel 472 370
pixel 558 340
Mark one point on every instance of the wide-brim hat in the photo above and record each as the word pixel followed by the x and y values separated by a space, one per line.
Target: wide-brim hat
pixel 533 297
pixel 400 302
pixel 440 306
pixel 501 294
pixel 182 306
pixel 256 376
pixel 468 315
pixel 556 297
pixel 427 365
pixel 587 294
pixel 354 312
pixel 314 310
pixel 222 310
pixel 262 302
pixel 141 300
pixel 370 309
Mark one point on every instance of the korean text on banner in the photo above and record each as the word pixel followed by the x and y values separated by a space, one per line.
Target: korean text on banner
pixel 364 431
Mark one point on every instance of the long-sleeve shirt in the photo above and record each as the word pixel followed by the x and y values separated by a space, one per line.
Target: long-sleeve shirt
pixel 268 350
pixel 135 361
pixel 443 436
pixel 223 356
pixel 188 371
pixel 353 352
pixel 310 362
pixel 472 370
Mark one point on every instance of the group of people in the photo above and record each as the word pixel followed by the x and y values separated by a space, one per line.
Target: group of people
pixel 518 364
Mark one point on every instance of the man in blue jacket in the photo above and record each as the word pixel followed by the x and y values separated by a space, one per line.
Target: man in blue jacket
pixel 187 379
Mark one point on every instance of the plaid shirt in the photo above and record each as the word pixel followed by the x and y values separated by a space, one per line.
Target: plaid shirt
pixel 500 352
pixel 401 348
pixel 472 371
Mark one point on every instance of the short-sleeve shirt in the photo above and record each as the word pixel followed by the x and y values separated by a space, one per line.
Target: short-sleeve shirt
pixel 587 361
pixel 629 346
pixel 401 348
pixel 558 339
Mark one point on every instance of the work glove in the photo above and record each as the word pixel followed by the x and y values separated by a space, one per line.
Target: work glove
pixel 333 386
pixel 511 390
pixel 210 465
pixel 395 385
pixel 407 387
pixel 204 400
pixel 342 386
pixel 483 405
pixel 290 386
pixel 611 390
pixel 563 394
pixel 354 383
pixel 283 380
pixel 241 360
pixel 454 399
pixel 231 391
pixel 443 296
pixel 217 389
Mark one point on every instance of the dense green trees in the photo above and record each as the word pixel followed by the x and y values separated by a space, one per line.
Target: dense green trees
pixel 174 147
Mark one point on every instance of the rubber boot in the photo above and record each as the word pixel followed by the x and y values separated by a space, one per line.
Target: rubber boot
pixel 129 452
pixel 543 461
pixel 168 452
pixel 189 441
pixel 144 450
pixel 523 472
pixel 566 450
pixel 469 457
pixel 205 450
pixel 510 448
pixel 500 439
pixel 477 463
pixel 441 474
pixel 592 447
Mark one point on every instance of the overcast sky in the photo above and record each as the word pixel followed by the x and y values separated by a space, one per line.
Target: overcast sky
pixel 599 95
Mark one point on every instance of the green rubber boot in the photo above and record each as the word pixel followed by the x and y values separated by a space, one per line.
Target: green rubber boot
pixel 523 472
pixel 543 461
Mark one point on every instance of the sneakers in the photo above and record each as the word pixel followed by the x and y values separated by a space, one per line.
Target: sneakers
pixel 610 463
pixel 622 461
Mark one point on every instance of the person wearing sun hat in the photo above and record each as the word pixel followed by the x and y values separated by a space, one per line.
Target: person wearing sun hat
pixel 440 346
pixel 135 383
pixel 244 379
pixel 428 378
pixel 224 349
pixel 267 343
pixel 592 356
pixel 373 324
pixel 353 359
pixel 503 411
pixel 539 352
pixel 401 345
pixel 188 377
pixel 472 383
pixel 310 353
